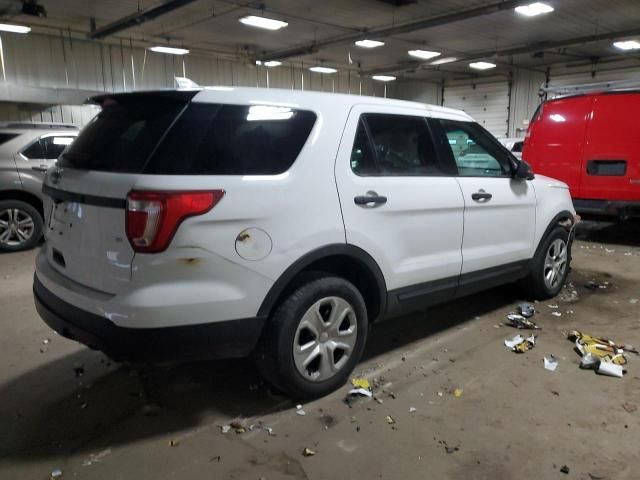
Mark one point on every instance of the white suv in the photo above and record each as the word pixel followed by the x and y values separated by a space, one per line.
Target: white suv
pixel 223 221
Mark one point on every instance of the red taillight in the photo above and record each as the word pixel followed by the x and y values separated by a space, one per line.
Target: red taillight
pixel 153 217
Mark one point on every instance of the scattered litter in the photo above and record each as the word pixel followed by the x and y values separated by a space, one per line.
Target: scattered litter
pixel 457 392
pixel 440 394
pixel 238 427
pixel 570 312
pixel 217 458
pixel 553 307
pixel 389 419
pixel 526 310
pixel 556 314
pixel 520 344
pixel 300 411
pixel 609 250
pixel 307 452
pixel 610 369
pixel 57 473
pixel 630 407
pixel 593 285
pixel 595 476
pixel 379 400
pixel 96 457
pixel 564 469
pixel 551 363
pixel 361 383
pixel 412 409
pixel 174 443
pixel 270 431
pixel 556 393
pixel 359 391
pixel 589 361
pixel 633 301
pixel 225 428
pixel 451 449
pixel 521 322
pixel 46 341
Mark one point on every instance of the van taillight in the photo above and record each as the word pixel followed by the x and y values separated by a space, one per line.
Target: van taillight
pixel 153 217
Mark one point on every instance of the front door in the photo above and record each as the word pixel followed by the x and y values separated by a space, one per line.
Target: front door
pixel 397 203
pixel 500 211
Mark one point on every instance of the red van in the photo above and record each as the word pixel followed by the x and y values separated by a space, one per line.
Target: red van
pixel 591 142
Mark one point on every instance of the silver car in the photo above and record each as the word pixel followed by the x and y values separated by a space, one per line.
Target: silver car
pixel 27 150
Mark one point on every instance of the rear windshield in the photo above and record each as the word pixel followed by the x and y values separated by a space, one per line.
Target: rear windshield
pixel 162 137
pixel 123 135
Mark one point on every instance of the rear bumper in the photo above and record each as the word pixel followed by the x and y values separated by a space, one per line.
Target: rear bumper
pixel 228 339
pixel 609 208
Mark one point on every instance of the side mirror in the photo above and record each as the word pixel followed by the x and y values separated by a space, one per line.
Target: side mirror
pixel 523 171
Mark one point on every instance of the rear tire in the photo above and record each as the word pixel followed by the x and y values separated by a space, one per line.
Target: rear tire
pixel 20 226
pixel 550 266
pixel 314 338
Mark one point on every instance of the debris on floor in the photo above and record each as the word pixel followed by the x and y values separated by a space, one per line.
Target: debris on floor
pixel 307 452
pixel 389 419
pixel 521 322
pixel 630 407
pixel 300 411
pixel 553 307
pixel 361 383
pixel 412 409
pixel 225 428
pixel 551 363
pixel 457 392
pixel 238 427
pixel 556 314
pixel 174 443
pixel 96 457
pixel 520 344
pixel 564 469
pixel 362 388
pixel 57 473
pixel 601 354
pixel 593 285
pixel 610 369
pixel 527 310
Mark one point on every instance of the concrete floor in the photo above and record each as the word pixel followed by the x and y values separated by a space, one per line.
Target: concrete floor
pixel 514 419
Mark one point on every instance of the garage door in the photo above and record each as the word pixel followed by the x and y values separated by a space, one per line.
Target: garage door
pixel 487 103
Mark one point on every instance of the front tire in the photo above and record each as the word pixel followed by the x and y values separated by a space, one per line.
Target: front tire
pixel 315 338
pixel 20 226
pixel 550 266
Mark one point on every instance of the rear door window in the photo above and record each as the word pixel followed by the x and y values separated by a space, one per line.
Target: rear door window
pixel 394 145
pixel 212 139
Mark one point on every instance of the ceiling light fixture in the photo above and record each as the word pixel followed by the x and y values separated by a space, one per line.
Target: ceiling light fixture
pixel 170 50
pixel 5 27
pixel 384 78
pixel 627 45
pixel 423 54
pixel 482 65
pixel 369 43
pixel 442 61
pixel 269 63
pixel 319 69
pixel 533 9
pixel 262 22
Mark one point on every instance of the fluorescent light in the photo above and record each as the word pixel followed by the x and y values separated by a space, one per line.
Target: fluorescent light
pixel 384 78
pixel 627 45
pixel 442 61
pixel 369 43
pixel 267 112
pixel 423 54
pixel 319 69
pixel 269 63
pixel 170 50
pixel 533 9
pixel 5 27
pixel 482 65
pixel 263 22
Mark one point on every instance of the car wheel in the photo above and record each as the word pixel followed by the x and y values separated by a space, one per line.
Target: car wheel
pixel 551 265
pixel 20 226
pixel 314 338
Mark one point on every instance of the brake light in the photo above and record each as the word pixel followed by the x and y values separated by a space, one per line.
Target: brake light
pixel 153 217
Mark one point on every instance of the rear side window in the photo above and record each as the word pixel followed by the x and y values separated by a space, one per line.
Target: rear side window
pixel 393 145
pixel 211 139
pixel 33 151
pixel 123 135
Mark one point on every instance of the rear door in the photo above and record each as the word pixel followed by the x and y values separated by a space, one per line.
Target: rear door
pixel 500 211
pixel 398 202
pixel 611 168
pixel 86 191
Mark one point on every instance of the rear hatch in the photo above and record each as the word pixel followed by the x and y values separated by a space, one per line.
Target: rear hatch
pixel 85 232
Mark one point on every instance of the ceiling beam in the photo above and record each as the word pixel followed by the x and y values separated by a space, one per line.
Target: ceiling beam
pixel 383 32
pixel 138 18
pixel 506 52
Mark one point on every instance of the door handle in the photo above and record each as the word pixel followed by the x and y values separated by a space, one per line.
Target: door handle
pixel 481 195
pixel 41 168
pixel 370 197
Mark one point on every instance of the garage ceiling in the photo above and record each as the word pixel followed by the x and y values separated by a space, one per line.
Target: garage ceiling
pixel 577 31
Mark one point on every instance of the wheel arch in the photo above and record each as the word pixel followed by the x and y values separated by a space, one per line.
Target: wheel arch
pixel 23 196
pixel 343 260
pixel 560 219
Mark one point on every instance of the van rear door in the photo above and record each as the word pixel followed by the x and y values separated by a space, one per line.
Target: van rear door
pixel 611 168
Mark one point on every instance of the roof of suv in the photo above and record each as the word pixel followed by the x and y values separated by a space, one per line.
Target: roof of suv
pixel 297 99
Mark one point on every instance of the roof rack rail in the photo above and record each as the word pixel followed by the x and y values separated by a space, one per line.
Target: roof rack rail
pixel 611 86
pixel 38 125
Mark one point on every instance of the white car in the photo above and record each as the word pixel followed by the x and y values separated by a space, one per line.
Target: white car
pixel 514 145
pixel 218 222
